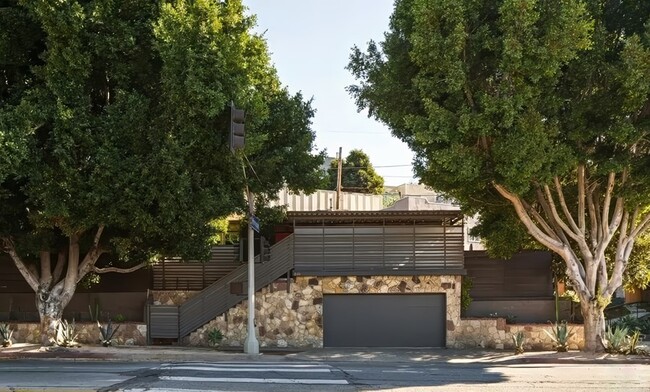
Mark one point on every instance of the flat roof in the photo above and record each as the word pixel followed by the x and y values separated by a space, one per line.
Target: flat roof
pixel 388 216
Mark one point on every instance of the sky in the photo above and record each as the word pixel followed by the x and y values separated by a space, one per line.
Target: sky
pixel 310 43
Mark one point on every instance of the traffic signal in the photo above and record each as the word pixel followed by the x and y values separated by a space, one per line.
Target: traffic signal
pixel 237 132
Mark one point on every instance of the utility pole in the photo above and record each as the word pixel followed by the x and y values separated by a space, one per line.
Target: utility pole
pixel 338 179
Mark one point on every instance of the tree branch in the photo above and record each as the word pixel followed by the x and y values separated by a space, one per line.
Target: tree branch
pixel 25 271
pixel 540 220
pixel 46 269
pixel 604 220
pixel 593 217
pixel 552 210
pixel 546 240
pixel 60 263
pixel 92 256
pixel 581 200
pixel 119 270
pixel 558 189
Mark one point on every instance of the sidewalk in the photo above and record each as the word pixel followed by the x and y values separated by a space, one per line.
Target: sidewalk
pixel 199 354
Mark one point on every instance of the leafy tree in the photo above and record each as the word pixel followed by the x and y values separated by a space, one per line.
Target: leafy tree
pixel 537 105
pixel 357 174
pixel 114 134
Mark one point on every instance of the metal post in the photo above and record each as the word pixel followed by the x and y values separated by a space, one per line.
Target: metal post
pixel 339 180
pixel 251 345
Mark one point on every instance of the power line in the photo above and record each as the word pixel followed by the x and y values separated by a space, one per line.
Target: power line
pixel 360 132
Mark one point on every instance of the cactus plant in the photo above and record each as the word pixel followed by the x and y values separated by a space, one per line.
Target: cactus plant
pixel 5 335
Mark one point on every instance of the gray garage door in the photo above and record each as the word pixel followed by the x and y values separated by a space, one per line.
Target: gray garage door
pixel 384 320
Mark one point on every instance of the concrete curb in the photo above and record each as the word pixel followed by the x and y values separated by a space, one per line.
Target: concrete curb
pixel 423 356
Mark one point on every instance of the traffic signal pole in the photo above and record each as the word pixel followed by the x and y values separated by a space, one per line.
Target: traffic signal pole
pixel 251 344
pixel 237 141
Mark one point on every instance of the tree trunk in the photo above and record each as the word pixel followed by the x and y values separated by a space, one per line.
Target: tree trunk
pixel 594 324
pixel 50 309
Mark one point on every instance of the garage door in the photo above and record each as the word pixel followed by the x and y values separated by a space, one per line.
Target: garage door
pixel 384 320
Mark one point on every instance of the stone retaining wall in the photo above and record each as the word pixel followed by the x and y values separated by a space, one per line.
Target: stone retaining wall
pixel 495 333
pixel 293 318
pixel 161 297
pixel 127 334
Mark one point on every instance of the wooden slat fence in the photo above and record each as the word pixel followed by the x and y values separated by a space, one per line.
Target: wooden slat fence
pixel 177 274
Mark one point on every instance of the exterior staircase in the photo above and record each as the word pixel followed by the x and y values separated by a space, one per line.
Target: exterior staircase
pixel 177 322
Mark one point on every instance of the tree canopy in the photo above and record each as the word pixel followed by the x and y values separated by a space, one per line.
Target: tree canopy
pixel 539 106
pixel 358 174
pixel 114 132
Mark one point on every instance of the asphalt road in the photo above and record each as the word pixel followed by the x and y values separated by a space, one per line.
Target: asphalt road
pixel 289 376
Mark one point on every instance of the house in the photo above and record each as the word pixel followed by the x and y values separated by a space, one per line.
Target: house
pixel 353 278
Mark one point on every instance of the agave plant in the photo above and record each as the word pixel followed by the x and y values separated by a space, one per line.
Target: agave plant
pixel 560 334
pixel 215 337
pixel 65 334
pixel 107 332
pixel 615 340
pixel 519 339
pixel 633 343
pixel 5 335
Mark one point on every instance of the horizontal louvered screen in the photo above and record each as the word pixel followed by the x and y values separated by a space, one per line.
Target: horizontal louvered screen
pixel 525 275
pixel 163 322
pixel 177 274
pixel 377 249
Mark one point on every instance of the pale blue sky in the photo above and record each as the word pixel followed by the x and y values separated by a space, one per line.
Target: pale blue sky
pixel 310 42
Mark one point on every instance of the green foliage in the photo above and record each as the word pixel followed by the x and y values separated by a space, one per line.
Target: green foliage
pixel 560 334
pixel 5 335
pixel 616 340
pixel 106 333
pixel 94 316
pixel 637 273
pixel 513 103
pixel 269 217
pixel 632 323
pixel 115 115
pixel 519 339
pixel 357 174
pixel 66 335
pixel 215 337
pixel 119 318
pixel 465 288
